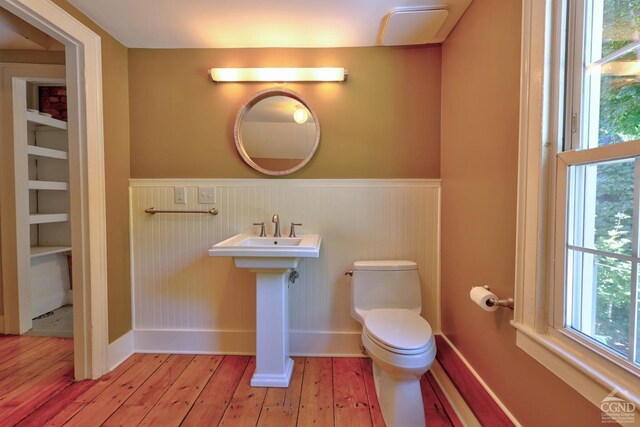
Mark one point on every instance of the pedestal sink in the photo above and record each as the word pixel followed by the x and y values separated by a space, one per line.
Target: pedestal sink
pixel 271 258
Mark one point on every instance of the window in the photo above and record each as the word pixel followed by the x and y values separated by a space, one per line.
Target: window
pixel 599 198
pixel 578 237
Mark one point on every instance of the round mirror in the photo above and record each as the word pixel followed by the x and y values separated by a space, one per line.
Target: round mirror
pixel 276 132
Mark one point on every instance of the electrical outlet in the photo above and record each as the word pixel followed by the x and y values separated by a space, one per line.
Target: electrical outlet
pixel 179 195
pixel 206 195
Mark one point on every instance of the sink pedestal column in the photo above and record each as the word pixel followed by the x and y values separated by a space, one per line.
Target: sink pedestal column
pixel 273 364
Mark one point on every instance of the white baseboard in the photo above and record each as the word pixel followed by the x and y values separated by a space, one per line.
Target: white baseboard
pixel 194 341
pixel 483 384
pixel 120 350
pixel 302 343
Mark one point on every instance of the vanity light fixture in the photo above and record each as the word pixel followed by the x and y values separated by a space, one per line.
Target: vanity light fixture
pixel 319 74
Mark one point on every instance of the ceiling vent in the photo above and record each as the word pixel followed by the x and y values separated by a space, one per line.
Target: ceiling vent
pixel 413 25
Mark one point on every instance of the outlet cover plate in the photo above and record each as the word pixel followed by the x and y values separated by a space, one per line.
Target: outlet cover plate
pixel 206 195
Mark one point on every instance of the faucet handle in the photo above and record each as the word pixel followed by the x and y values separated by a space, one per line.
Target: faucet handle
pixel 292 232
pixel 263 233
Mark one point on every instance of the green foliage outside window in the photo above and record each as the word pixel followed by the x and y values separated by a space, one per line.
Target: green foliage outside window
pixel 619 121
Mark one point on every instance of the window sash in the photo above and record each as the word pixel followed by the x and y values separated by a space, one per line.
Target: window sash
pixel 564 160
pixel 584 63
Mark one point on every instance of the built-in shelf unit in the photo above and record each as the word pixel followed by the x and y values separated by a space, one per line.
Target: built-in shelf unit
pixel 37 197
pixel 42 187
pixel 48 184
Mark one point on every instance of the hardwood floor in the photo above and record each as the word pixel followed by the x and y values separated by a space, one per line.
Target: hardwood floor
pixel 36 389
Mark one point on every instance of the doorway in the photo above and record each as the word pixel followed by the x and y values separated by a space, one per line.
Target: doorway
pixel 86 167
pixel 42 195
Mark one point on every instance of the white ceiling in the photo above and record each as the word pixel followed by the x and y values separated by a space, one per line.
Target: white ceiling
pixel 252 23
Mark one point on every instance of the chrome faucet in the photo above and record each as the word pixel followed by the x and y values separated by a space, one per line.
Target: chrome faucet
pixel 276 220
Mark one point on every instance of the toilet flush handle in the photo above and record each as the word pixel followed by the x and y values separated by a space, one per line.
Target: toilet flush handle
pixel 349 273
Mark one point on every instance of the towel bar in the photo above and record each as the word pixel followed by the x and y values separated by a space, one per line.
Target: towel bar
pixel 153 211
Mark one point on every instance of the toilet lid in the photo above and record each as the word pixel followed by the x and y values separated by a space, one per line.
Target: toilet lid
pixel 398 328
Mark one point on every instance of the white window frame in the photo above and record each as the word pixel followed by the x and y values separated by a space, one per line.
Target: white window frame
pixel 591 373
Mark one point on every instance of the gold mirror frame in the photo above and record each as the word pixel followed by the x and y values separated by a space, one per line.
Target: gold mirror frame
pixel 250 104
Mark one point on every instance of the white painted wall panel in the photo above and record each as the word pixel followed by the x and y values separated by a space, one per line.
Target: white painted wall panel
pixel 49 280
pixel 178 287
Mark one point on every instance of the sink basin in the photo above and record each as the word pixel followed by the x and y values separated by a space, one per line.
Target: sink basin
pixel 266 241
pixel 251 245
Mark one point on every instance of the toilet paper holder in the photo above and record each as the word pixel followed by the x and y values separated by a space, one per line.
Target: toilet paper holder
pixel 499 302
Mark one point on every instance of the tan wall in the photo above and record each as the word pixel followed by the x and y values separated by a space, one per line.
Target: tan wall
pixel 32 56
pixel 480 96
pixel 384 122
pixel 116 146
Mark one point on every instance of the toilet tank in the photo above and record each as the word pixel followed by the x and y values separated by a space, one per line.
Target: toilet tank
pixel 384 284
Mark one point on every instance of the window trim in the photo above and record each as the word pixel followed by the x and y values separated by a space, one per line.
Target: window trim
pixel 590 374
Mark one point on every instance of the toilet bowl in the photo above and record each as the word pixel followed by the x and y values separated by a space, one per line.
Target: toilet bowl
pixel 399 360
pixel 386 301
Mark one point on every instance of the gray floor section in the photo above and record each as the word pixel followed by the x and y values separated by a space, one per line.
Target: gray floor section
pixel 59 324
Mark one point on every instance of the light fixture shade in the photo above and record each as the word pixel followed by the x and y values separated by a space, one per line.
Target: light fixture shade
pixel 320 74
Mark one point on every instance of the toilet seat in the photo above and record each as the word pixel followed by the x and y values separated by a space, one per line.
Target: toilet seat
pixel 395 350
pixel 398 331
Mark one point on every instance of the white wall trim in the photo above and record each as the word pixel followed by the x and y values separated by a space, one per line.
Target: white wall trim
pixel 482 383
pixel 252 182
pixel 84 95
pixel 120 350
pixel 436 326
pixel 594 380
pixel 183 341
pixel 302 343
pixel 529 227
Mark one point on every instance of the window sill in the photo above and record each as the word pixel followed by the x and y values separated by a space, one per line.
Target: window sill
pixel 592 378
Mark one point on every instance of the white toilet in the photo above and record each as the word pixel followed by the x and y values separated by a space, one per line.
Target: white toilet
pixel 385 299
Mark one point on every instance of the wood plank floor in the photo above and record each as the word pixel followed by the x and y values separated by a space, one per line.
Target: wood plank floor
pixel 36 389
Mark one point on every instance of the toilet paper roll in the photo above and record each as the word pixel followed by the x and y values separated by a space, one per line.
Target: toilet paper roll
pixel 481 296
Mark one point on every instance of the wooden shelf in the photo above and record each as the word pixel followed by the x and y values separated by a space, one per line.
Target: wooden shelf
pixel 37 251
pixel 48 218
pixel 48 185
pixel 46 121
pixel 47 152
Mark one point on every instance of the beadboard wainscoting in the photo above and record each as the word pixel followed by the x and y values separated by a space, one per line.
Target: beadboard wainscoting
pixel 187 302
